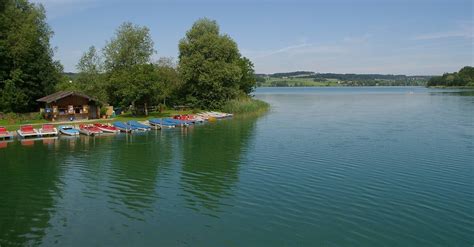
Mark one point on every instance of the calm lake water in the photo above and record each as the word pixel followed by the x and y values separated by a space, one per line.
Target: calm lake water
pixel 325 167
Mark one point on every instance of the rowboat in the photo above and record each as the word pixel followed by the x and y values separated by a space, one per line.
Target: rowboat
pixel 138 126
pixel 4 134
pixel 68 130
pixel 27 131
pixel 160 123
pixel 48 130
pixel 124 127
pixel 107 128
pixel 89 130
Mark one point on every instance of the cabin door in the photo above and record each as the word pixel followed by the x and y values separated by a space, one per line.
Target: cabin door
pixel 92 112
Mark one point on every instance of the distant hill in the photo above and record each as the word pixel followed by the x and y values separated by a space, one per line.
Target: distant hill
pixel 308 78
pixel 313 79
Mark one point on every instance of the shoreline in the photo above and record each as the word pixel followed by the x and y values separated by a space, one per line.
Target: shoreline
pixel 244 107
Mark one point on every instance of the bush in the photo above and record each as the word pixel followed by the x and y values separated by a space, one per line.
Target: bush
pixel 103 111
pixel 11 117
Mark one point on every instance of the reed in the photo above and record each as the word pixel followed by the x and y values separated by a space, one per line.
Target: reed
pixel 245 105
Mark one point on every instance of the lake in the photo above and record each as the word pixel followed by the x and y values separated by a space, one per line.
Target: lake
pixel 325 167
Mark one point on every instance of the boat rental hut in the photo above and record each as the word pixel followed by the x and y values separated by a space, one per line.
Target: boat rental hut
pixel 69 106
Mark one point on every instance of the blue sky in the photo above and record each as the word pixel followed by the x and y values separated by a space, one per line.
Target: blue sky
pixel 417 37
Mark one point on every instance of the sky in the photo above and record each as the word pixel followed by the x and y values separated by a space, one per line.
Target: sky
pixel 412 37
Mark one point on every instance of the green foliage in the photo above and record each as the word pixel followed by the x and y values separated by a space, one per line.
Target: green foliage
pixel 168 77
pixel 91 78
pixel 103 111
pixel 131 77
pixel 137 85
pixel 12 118
pixel 463 78
pixel 248 80
pixel 11 97
pixel 132 45
pixel 211 66
pixel 245 105
pixel 211 70
pixel 27 70
pixel 124 74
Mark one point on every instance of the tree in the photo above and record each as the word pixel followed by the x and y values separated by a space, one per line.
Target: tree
pixel 132 45
pixel 137 85
pixel 168 77
pixel 209 64
pixel 26 58
pixel 91 79
pixel 12 97
pixel 465 77
pixel 128 67
pixel 248 81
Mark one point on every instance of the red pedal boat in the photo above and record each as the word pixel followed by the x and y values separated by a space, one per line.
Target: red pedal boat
pixel 89 130
pixel 107 128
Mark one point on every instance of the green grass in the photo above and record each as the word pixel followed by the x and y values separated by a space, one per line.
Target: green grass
pixel 245 105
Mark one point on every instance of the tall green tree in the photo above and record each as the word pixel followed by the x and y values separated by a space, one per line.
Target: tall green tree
pixel 131 45
pixel 137 86
pixel 169 79
pixel 91 78
pixel 209 64
pixel 131 76
pixel 27 68
pixel 248 81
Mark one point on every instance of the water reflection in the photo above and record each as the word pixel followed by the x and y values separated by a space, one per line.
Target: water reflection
pixel 50 186
pixel 211 157
pixel 29 191
pixel 4 143
pixel 135 167
pixel 455 92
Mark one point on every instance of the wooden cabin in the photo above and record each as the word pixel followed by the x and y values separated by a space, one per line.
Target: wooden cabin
pixel 70 106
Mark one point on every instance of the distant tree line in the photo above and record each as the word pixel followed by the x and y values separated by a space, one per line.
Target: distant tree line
pixel 463 78
pixel 290 79
pixel 210 70
pixel 291 74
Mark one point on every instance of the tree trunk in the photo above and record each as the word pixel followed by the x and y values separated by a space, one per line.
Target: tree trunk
pixel 146 110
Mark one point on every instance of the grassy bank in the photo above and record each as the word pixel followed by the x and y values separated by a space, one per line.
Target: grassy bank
pixel 246 105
